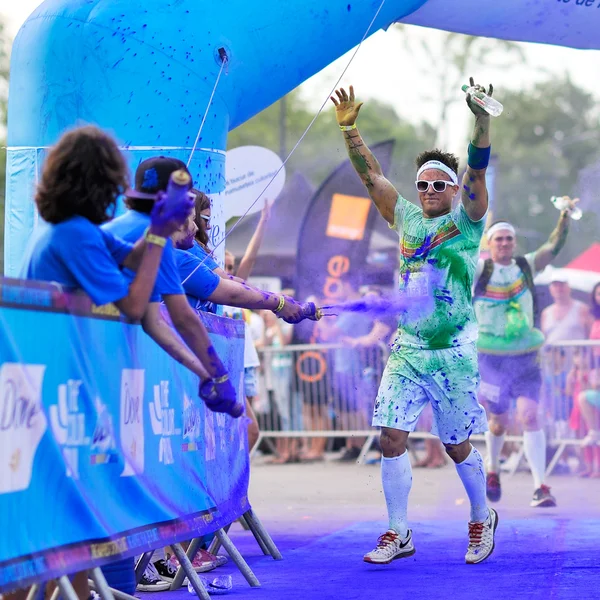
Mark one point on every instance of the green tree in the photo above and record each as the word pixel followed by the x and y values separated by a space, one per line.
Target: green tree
pixel 544 138
pixel 447 60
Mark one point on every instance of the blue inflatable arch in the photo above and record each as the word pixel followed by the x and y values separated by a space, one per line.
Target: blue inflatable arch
pixel 145 70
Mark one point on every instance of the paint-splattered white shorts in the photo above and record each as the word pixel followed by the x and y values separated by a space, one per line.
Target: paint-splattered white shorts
pixel 447 378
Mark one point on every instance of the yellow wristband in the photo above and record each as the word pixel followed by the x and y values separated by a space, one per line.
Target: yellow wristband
pixel 221 379
pixel 157 240
pixel 280 305
pixel 348 127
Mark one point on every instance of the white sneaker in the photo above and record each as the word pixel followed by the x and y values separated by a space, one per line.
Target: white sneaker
pixel 481 539
pixel 151 581
pixel 391 546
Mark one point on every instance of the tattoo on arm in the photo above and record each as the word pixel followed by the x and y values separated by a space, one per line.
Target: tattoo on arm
pixel 481 132
pixel 362 159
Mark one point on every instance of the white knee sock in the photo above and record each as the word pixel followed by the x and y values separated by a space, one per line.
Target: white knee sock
pixel 472 475
pixel 534 444
pixel 494 445
pixel 396 476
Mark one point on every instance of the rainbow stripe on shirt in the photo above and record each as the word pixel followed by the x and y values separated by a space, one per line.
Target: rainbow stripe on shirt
pixel 414 248
pixel 505 293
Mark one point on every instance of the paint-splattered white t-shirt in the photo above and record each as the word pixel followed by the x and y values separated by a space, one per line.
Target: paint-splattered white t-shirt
pixel 437 263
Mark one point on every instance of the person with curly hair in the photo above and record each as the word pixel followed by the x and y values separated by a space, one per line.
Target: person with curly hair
pixel 82 178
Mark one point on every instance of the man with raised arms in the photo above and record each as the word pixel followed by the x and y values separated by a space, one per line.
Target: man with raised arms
pixel 434 358
pixel 509 344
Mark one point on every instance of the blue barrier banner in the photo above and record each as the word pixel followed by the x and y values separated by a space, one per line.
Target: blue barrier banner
pixel 106 450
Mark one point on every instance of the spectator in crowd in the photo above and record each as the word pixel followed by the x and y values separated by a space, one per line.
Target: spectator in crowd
pixel 565 319
pixel 82 178
pixel 589 399
pixel 352 330
pixel 201 249
pixel 278 381
pixel 578 380
pixel 251 360
pixel 311 368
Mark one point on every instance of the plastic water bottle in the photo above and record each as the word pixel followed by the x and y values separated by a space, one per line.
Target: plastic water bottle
pixel 178 187
pixel 561 203
pixel 490 105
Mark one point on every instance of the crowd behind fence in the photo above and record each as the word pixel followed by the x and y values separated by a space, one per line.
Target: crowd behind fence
pixel 328 390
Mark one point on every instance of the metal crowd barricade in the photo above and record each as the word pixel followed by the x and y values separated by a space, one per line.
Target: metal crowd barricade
pixel 568 370
pixel 319 390
pixel 328 391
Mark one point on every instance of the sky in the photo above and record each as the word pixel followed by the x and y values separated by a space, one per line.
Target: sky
pixel 372 76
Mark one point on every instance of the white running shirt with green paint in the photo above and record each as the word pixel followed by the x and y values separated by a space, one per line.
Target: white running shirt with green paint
pixel 437 263
pixel 507 285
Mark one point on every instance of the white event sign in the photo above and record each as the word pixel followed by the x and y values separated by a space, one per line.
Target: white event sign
pixel 248 170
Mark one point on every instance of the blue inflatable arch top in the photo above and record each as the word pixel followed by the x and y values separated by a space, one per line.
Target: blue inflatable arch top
pixel 146 69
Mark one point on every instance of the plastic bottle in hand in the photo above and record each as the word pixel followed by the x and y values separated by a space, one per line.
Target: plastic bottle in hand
pixel 489 104
pixel 562 203
pixel 178 187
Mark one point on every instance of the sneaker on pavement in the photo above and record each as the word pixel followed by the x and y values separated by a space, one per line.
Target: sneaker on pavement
pixel 201 563
pixel 391 546
pixel 151 581
pixel 493 490
pixel 166 570
pixel 543 498
pixel 481 539
pixel 219 559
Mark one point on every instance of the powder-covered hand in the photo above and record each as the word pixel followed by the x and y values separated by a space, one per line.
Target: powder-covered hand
pixel 221 397
pixel 292 311
pixel 346 107
pixel 168 216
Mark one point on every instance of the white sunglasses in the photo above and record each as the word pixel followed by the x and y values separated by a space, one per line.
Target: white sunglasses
pixel 207 219
pixel 439 185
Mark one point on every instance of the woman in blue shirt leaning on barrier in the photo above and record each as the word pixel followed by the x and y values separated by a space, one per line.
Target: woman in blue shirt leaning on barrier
pixel 82 178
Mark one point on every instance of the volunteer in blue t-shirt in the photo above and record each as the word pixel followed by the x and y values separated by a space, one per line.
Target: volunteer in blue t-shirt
pixel 82 177
pixel 81 180
pixel 151 178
